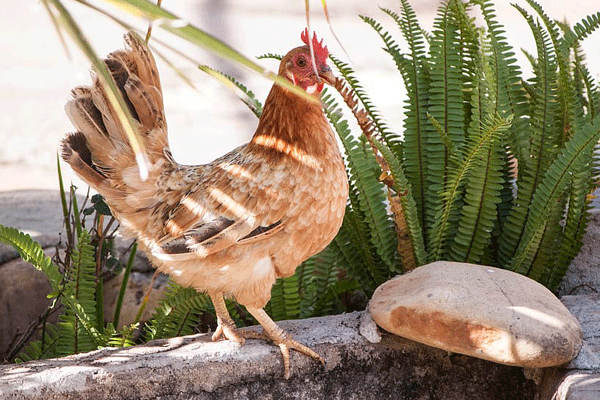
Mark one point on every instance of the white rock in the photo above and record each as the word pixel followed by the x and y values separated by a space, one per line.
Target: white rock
pixel 479 311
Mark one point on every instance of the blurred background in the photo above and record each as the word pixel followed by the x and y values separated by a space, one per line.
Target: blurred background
pixel 36 73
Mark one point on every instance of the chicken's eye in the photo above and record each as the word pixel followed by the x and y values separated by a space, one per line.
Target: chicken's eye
pixel 301 62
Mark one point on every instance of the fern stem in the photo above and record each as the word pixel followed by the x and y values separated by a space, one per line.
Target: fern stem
pixel 138 317
pixel 63 201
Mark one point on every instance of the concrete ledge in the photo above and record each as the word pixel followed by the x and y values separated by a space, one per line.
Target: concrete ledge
pixel 193 367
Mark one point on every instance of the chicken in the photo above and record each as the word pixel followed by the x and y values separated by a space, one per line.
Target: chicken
pixel 229 228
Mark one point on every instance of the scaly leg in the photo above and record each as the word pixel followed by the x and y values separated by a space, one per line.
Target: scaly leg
pixel 282 339
pixel 226 329
pixel 225 325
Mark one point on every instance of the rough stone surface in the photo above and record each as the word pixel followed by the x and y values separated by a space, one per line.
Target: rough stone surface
pixel 561 384
pixel 587 310
pixel 580 379
pixel 480 311
pixel 583 275
pixel 194 368
pixel 35 212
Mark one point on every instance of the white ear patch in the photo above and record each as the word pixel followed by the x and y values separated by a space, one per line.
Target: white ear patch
pixel 312 89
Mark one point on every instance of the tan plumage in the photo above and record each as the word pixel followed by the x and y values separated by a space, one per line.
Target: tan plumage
pixel 231 227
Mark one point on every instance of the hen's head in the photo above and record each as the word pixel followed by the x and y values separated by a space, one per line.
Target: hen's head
pixel 298 67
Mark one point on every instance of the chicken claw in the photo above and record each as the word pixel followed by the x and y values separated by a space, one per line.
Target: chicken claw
pixel 278 336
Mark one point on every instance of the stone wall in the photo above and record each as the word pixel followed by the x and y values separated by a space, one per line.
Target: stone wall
pixel 193 367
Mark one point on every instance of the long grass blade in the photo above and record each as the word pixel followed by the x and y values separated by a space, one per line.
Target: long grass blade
pixel 124 283
pixel 182 28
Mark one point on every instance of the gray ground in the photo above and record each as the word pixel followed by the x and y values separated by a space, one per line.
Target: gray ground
pixel 36 74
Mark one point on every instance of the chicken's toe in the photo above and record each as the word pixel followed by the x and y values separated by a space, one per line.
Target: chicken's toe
pixel 227 331
pixel 286 343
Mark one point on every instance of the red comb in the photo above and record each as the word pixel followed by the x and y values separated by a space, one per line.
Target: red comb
pixel 321 52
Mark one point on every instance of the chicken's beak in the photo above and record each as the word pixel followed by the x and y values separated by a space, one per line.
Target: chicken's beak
pixel 327 75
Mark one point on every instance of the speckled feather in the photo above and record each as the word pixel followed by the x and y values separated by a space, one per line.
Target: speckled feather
pixel 231 226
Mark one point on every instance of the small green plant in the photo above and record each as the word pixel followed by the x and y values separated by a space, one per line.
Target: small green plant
pixel 76 279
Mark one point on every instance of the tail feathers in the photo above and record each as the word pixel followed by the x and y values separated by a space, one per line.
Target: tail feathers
pixel 101 150
pixel 76 152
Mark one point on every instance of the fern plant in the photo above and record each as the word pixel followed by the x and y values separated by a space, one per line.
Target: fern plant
pixel 498 168
pixel 76 282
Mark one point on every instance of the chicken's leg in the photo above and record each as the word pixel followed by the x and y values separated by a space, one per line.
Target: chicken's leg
pixel 225 325
pixel 282 339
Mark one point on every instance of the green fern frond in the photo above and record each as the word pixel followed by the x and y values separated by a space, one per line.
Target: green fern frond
pixel 370 196
pixel 382 130
pixel 358 234
pixel 446 105
pixel 575 225
pixel 177 313
pixel 330 301
pixel 31 252
pixel 78 328
pixel 570 117
pixel 478 213
pixel 475 149
pixel 582 29
pixel 355 252
pixel 325 274
pixel 307 282
pixel 545 138
pixel 47 347
pixel 285 299
pixel 270 56
pixel 404 191
pixel 390 44
pixel 415 71
pixel 443 134
pixel 592 92
pixel 511 97
pixel 550 240
pixel 124 338
pixel 572 158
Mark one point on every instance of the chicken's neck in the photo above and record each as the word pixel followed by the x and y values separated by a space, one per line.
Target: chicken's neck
pixel 294 126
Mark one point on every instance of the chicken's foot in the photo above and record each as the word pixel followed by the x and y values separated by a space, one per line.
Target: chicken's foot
pixel 271 331
pixel 278 336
